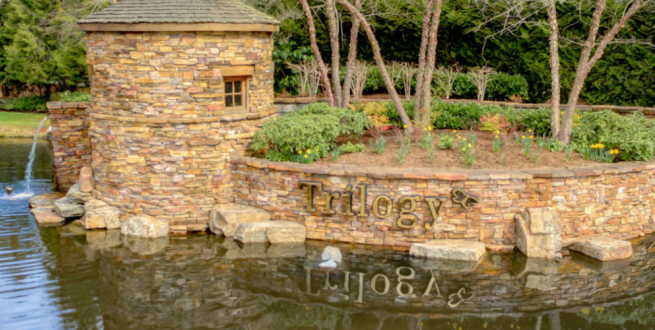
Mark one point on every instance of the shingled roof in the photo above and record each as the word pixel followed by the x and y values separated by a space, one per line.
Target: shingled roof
pixel 178 12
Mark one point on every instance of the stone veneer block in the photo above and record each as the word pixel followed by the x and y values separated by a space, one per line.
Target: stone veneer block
pixel 538 233
pixel 144 226
pixel 67 209
pixel 225 218
pixel 104 217
pixel 603 248
pixel 47 216
pixel 76 195
pixel 449 249
pixel 276 232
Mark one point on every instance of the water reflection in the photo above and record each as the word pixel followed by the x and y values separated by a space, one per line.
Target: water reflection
pixel 70 278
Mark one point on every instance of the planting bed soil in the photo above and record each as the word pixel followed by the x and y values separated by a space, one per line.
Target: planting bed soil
pixel 452 159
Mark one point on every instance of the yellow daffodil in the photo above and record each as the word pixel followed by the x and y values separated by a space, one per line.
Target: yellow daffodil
pixel 454 131
pixel 305 156
pixel 529 131
pixel 309 151
pixel 316 148
pixel 464 139
pixel 531 137
pixel 300 152
pixel 463 149
pixel 430 128
pixel 523 137
pixel 404 126
pixel 469 145
pixel 425 129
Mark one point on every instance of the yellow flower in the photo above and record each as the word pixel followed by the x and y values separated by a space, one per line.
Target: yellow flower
pixel 425 129
pixel 316 149
pixel 531 137
pixel 469 145
pixel 523 137
pixel 529 131
pixel 464 139
pixel 454 131
pixel 300 152
pixel 404 126
pixel 309 151
pixel 430 128
pixel 305 156
pixel 463 149
pixel 601 146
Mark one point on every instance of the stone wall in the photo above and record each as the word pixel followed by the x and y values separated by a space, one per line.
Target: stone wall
pixel 161 136
pixel 70 142
pixel 606 200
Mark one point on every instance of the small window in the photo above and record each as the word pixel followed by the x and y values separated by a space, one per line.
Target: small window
pixel 236 94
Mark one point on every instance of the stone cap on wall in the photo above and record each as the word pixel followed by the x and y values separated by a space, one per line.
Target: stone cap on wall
pixel 179 15
pixel 445 174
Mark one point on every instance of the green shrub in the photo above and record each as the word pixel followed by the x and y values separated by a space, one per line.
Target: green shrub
pixel 300 139
pixel 632 134
pixel 350 148
pixel 76 96
pixel 26 104
pixel 537 120
pixel 464 88
pixel 446 141
pixel 504 87
pixel 351 122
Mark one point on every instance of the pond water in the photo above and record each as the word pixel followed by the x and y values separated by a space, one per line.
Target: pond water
pixel 67 278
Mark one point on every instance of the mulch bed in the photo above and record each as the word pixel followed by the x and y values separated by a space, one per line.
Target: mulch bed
pixel 514 157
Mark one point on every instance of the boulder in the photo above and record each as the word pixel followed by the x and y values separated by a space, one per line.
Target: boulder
pixel 76 195
pixel 102 217
pixel 603 248
pixel 276 232
pixel 86 179
pixel 47 216
pixel 331 253
pixel 45 200
pixel 449 249
pixel 94 204
pixel 144 226
pixel 538 234
pixel 225 218
pixel 65 208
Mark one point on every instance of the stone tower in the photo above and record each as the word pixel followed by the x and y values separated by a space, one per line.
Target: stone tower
pixel 179 88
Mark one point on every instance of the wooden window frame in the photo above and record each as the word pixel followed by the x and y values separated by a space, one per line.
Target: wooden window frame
pixel 244 93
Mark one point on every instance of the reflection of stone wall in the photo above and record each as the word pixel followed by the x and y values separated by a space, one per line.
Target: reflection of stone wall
pixel 161 137
pixel 204 281
pixel 605 200
pixel 69 137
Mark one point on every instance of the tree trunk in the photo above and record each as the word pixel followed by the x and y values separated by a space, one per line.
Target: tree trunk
pixel 554 68
pixel 587 62
pixel 317 54
pixel 334 44
pixel 430 63
pixel 352 58
pixel 379 61
pixel 427 17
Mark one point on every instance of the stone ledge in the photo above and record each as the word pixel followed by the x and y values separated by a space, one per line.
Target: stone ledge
pixel 448 175
pixel 53 106
pixel 147 120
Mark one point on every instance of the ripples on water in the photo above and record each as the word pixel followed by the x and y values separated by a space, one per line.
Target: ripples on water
pixel 66 278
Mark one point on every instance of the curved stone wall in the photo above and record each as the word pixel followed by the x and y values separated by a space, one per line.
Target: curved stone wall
pixel 160 135
pixel 605 200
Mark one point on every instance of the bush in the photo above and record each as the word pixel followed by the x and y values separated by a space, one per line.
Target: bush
pixel 537 120
pixel 297 138
pixel 351 122
pixel 464 88
pixel 350 148
pixel 26 104
pixel 506 87
pixel 376 111
pixel 633 134
pixel 309 134
pixel 76 96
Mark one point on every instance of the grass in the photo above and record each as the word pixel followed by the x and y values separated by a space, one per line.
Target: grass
pixel 21 124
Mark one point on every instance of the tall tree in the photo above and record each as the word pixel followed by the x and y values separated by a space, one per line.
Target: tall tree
pixel 333 27
pixel 554 67
pixel 587 60
pixel 352 58
pixel 427 18
pixel 327 86
pixel 379 61
pixel 430 64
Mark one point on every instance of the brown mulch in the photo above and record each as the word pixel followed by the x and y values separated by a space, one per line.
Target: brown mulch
pixel 451 159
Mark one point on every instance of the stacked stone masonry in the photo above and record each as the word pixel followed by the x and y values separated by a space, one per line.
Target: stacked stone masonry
pixel 69 137
pixel 614 200
pixel 161 137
